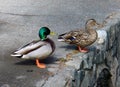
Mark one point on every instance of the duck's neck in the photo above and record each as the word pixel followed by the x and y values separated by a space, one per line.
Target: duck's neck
pixel 51 43
pixel 92 34
pixel 90 31
pixel 42 37
pixel 87 30
pixel 87 27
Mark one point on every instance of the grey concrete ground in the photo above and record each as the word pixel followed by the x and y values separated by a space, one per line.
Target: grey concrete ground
pixel 20 21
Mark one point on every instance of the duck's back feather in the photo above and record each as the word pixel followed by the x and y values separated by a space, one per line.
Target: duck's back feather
pixel 29 47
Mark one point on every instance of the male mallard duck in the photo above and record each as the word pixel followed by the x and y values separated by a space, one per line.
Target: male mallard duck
pixel 81 38
pixel 39 49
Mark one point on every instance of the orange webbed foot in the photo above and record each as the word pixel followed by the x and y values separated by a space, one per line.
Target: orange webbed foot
pixel 40 65
pixel 83 50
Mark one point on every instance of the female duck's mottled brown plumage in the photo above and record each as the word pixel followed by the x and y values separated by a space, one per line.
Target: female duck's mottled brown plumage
pixel 81 38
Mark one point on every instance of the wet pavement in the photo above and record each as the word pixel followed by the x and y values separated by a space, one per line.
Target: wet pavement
pixel 20 21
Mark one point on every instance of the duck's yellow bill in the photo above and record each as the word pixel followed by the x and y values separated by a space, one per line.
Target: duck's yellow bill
pixel 52 33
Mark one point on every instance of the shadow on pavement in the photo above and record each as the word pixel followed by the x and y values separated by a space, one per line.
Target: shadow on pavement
pixel 69 47
pixel 48 60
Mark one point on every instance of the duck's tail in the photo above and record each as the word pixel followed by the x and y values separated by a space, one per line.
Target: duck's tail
pixel 16 55
pixel 61 37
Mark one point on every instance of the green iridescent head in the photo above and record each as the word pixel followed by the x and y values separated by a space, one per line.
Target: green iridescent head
pixel 43 32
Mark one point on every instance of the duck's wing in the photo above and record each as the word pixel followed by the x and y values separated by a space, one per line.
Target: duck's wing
pixel 67 36
pixel 72 36
pixel 29 47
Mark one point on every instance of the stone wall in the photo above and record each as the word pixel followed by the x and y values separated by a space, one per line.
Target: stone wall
pixel 97 68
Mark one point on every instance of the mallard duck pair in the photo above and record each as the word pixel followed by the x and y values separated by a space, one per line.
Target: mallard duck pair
pixel 44 47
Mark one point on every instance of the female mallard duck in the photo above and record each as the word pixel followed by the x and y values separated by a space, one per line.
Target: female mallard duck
pixel 81 38
pixel 39 49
